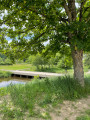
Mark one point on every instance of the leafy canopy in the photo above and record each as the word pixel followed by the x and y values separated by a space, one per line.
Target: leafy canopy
pixel 32 22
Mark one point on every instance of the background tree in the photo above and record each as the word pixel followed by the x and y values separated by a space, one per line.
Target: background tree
pixel 4 60
pixel 65 62
pixel 38 60
pixel 87 60
pixel 61 22
pixel 1 61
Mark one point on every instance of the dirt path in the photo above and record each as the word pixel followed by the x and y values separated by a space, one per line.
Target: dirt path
pixel 70 110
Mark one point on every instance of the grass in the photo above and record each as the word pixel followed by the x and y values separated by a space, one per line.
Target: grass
pixel 55 69
pixel 29 67
pixel 3 91
pixel 83 117
pixel 5 74
pixel 63 87
pixel 10 114
pixel 86 116
pixel 18 67
pixel 38 94
pixel 47 91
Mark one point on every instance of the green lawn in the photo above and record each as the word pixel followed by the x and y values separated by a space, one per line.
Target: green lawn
pixel 18 67
pixel 29 67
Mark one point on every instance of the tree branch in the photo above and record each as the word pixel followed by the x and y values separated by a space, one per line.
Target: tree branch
pixel 85 10
pixel 81 9
pixel 81 6
pixel 45 16
pixel 67 11
pixel 72 9
pixel 40 35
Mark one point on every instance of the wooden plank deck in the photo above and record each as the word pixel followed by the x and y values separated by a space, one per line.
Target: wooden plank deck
pixel 32 74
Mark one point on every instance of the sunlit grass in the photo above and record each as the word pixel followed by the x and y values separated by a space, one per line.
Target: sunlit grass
pixel 47 91
pixel 29 67
pixel 41 93
pixel 17 67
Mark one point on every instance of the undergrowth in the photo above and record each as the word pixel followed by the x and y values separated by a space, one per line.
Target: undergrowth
pixel 5 74
pixel 47 91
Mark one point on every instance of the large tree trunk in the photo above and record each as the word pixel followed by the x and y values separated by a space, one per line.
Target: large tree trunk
pixel 77 56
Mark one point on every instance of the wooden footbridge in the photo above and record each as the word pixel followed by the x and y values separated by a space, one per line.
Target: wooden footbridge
pixel 32 74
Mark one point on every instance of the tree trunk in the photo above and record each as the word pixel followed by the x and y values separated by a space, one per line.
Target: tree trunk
pixel 77 56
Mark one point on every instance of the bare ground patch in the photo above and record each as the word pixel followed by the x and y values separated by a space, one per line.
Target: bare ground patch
pixel 68 110
pixel 71 109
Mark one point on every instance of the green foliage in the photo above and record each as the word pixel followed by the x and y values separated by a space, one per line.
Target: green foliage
pixel 65 62
pixel 51 61
pixel 8 61
pixel 25 101
pixel 40 21
pixel 19 61
pixel 3 92
pixel 5 74
pixel 32 23
pixel 36 77
pixel 11 113
pixel 30 59
pixel 83 117
pixel 1 61
pixel 87 60
pixel 4 60
pixel 38 60
pixel 2 56
pixel 47 91
pixel 62 60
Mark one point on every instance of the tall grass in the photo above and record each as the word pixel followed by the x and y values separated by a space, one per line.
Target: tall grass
pixel 45 91
pixel 5 74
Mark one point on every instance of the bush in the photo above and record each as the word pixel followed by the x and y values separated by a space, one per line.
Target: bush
pixel 5 61
pixel 65 62
pixel 5 74
pixel 38 60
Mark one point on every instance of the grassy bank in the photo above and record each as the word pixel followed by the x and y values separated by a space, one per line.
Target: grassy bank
pixel 29 67
pixel 46 91
pixel 5 74
pixel 17 67
pixel 32 97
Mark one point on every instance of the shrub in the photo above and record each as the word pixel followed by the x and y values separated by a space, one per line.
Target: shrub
pixel 5 74
pixel 65 62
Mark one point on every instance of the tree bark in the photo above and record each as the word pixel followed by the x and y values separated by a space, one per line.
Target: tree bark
pixel 77 56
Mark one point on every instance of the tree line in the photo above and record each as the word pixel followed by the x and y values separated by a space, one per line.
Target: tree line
pixel 61 22
pixel 4 60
